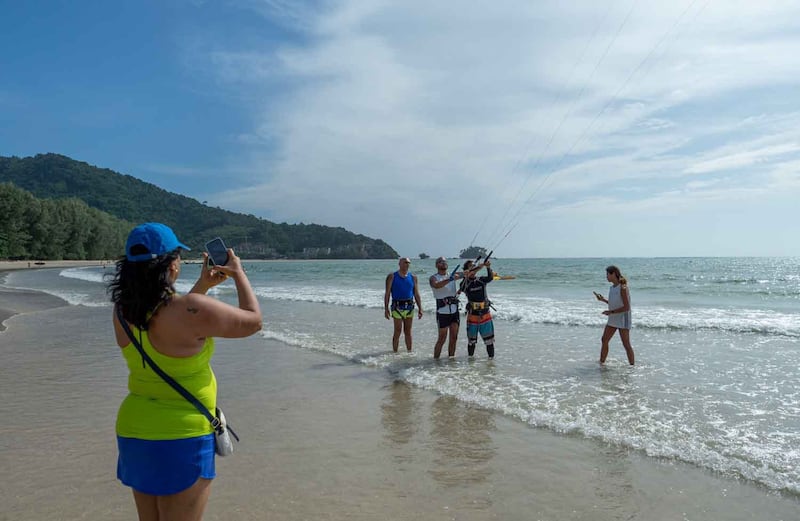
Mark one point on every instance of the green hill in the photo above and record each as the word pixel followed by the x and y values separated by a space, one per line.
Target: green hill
pixel 53 176
pixel 55 229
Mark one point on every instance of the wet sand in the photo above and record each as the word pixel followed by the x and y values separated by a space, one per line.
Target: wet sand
pixel 322 438
pixel 15 301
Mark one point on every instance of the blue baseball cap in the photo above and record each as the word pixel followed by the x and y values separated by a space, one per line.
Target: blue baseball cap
pixel 155 239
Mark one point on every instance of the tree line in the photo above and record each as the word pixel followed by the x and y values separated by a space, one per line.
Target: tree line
pixel 48 229
pixel 130 200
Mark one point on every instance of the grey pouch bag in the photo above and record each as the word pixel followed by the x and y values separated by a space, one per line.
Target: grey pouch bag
pixel 223 444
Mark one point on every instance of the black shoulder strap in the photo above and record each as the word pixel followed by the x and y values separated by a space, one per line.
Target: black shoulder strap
pixel 167 378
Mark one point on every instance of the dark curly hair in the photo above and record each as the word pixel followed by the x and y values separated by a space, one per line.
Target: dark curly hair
pixel 139 287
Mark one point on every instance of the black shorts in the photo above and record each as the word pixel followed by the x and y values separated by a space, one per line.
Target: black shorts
pixel 447 319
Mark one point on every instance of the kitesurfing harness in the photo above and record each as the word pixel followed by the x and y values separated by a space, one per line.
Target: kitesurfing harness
pixel 446 301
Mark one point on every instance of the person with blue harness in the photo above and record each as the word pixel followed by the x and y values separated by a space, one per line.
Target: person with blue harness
pixel 402 286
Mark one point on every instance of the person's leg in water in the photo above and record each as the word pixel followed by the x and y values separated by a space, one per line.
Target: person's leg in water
pixel 451 346
pixel 472 333
pixel 398 328
pixel 625 336
pixel 608 332
pixel 487 334
pixel 437 347
pixel 407 323
pixel 472 338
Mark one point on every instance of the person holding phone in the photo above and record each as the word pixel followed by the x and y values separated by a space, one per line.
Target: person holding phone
pixel 618 313
pixel 402 286
pixel 166 446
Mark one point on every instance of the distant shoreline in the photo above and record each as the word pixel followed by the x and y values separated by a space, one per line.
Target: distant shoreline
pixel 39 264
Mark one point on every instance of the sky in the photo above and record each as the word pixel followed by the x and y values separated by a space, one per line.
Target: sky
pixel 623 128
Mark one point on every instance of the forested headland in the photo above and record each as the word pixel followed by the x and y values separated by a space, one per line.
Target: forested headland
pixel 54 207
pixel 472 252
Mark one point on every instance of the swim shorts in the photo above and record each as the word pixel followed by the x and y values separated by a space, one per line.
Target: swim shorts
pixel 163 467
pixel 486 330
pixel 402 309
pixel 444 320
pixel 480 324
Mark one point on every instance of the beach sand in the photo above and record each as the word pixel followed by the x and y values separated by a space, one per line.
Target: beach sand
pixel 322 439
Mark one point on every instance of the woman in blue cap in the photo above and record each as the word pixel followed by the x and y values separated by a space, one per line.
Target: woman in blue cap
pixel 166 445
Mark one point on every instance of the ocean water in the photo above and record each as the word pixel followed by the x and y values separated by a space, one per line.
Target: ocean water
pixel 717 340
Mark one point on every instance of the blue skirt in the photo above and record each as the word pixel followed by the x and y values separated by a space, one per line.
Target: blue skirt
pixel 163 467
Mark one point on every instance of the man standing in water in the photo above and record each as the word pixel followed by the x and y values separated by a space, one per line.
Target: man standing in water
pixel 403 288
pixel 479 315
pixel 444 291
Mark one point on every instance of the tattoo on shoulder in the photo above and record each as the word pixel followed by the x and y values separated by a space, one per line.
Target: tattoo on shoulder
pixel 192 310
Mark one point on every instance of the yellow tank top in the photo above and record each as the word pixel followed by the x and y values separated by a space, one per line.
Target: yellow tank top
pixel 153 410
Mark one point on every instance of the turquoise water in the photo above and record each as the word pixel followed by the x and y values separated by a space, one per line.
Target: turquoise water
pixel 717 342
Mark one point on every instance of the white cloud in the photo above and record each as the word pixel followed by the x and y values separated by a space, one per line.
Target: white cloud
pixel 741 159
pixel 418 121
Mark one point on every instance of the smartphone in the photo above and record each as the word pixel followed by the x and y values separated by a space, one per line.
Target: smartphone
pixel 217 252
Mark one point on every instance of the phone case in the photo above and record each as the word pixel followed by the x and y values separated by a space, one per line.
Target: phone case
pixel 217 252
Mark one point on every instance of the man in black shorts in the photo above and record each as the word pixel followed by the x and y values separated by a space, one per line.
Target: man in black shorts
pixel 444 291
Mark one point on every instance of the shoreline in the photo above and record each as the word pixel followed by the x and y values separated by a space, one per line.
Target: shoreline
pixel 22 300
pixel 40 264
pixel 323 438
pixel 7 265
pixel 14 302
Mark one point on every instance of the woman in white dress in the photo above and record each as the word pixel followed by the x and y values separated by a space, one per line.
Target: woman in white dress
pixel 618 313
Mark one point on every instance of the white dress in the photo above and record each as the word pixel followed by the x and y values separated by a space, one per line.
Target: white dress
pixel 618 320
